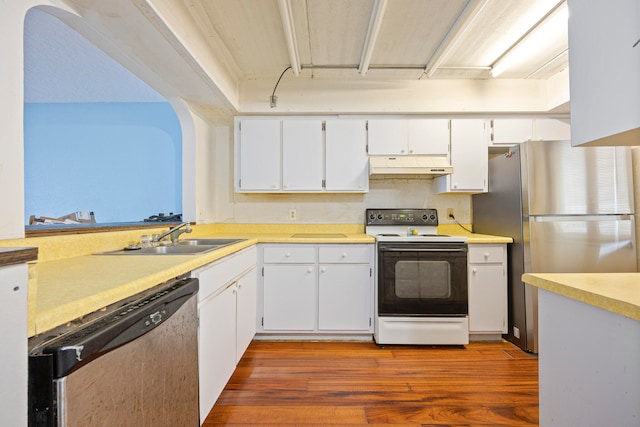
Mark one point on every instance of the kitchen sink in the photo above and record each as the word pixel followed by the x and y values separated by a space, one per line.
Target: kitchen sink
pixel 184 247
pixel 208 242
pixel 321 235
pixel 164 250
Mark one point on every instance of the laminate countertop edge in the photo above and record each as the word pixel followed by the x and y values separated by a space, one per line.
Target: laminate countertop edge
pixel 11 256
pixel 618 293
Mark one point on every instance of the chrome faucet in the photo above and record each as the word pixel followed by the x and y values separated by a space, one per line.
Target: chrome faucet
pixel 174 233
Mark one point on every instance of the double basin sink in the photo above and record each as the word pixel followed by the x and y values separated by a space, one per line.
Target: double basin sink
pixel 183 247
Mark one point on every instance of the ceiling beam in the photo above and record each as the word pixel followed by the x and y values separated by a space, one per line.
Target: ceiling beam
pixel 286 15
pixel 375 21
pixel 457 30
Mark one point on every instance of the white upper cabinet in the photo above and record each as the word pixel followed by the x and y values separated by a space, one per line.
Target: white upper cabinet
pixel 505 132
pixel 469 158
pixel 604 58
pixel 302 155
pixel 408 137
pixel 552 130
pixel 346 155
pixel 259 147
pixel 428 136
pixel 297 155
pixel 511 131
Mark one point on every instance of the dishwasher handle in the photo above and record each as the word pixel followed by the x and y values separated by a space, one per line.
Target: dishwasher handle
pixel 78 348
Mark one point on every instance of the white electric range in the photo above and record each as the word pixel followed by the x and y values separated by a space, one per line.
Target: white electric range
pixel 421 279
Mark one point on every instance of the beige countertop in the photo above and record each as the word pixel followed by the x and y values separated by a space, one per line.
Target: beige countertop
pixel 69 288
pixel 615 292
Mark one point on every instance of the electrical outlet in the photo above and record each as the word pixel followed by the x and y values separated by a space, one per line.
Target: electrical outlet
pixel 450 213
pixel 293 215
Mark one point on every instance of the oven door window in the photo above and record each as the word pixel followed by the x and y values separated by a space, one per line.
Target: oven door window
pixel 422 281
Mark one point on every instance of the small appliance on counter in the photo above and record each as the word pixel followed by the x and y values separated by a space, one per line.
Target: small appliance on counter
pixel 421 279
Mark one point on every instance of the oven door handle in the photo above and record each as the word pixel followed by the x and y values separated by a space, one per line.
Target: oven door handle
pixel 392 249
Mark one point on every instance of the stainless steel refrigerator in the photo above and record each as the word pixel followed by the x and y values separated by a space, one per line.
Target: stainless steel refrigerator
pixel 568 209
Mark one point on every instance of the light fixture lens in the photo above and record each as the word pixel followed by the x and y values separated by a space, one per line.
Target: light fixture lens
pixel 535 42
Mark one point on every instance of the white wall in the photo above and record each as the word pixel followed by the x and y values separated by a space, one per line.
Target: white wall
pixel 12 15
pixel 349 208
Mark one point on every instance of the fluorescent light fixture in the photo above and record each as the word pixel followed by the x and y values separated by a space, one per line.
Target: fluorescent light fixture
pixel 534 41
pixel 289 28
pixel 372 34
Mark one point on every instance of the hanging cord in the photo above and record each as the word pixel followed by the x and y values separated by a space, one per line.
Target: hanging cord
pixel 456 221
pixel 274 100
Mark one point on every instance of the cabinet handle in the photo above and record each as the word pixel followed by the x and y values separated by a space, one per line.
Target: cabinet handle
pixel 285 186
pixel 309 270
pixel 323 269
pixel 486 255
pixel 474 270
pixel 410 151
pixel 288 255
pixel 344 254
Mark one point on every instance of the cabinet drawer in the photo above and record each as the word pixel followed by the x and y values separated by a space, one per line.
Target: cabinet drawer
pixel 486 254
pixel 344 254
pixel 289 254
pixel 216 275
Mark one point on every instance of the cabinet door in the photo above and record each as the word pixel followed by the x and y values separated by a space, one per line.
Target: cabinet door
pixel 344 297
pixel 216 346
pixel 605 64
pixel 487 296
pixel 469 158
pixel 13 330
pixel 289 297
pixel 428 136
pixel 246 298
pixel 552 130
pixel 302 159
pixel 347 163
pixel 259 155
pixel 511 131
pixel 388 137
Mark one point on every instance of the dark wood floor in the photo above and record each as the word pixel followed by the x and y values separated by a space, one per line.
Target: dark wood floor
pixel 359 384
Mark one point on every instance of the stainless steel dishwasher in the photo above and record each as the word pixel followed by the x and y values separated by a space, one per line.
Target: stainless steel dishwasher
pixel 134 364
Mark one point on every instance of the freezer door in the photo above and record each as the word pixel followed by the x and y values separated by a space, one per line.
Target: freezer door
pixel 565 180
pixel 581 244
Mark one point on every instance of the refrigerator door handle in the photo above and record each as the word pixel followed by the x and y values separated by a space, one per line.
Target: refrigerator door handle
pixel 561 218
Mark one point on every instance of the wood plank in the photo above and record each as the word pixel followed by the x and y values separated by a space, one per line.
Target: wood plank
pixel 361 384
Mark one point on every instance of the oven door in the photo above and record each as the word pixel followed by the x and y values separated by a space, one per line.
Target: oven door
pixel 422 279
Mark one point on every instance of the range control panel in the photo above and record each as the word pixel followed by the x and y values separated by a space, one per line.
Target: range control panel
pixel 401 217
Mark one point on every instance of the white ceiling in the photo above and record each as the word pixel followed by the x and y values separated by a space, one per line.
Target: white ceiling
pixel 332 33
pixel 416 40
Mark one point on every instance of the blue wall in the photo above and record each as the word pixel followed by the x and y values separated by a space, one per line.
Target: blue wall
pixel 122 161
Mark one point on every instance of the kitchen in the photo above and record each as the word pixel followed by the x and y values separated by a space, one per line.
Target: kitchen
pixel 206 207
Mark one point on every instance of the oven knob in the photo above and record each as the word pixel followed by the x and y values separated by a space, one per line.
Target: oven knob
pixel 432 217
pixel 424 217
pixel 372 217
pixel 380 216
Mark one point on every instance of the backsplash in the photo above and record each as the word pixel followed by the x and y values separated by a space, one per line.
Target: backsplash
pixel 328 208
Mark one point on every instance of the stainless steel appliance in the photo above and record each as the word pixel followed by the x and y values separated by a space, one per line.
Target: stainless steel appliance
pixel 568 209
pixel 133 365
pixel 421 279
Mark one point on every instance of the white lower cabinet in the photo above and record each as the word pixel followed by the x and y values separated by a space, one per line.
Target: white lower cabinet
pixel 289 297
pixel 13 330
pixel 343 297
pixel 487 289
pixel 227 313
pixel 316 289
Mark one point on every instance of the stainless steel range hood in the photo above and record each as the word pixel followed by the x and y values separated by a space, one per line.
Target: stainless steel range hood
pixel 430 166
